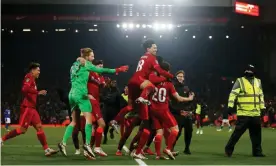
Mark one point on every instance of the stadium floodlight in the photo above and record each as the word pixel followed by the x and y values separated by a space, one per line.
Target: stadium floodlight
pixel 130 25
pixel 144 26
pixel 95 25
pixel 161 36
pixel 76 31
pixel 124 25
pixel 150 26
pixel 156 26
pixel 163 26
pixel 11 31
pixel 126 36
pixel 210 37
pixel 137 25
pixel 118 25
pixel 233 82
pixel 42 31
pixel 242 26
pixel 194 37
pixel 169 26
pixel 145 37
pixel 186 30
pixel 26 30
pixel 227 36
pixel 3 29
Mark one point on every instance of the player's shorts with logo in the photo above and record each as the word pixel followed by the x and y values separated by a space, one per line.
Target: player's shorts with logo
pixel 162 119
pixel 79 101
pixel 28 116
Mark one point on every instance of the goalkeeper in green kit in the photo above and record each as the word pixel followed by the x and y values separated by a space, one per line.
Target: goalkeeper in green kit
pixel 79 99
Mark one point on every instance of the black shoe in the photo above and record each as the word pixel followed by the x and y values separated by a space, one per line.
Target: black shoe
pixel 187 151
pixel 228 153
pixel 258 155
pixel 111 131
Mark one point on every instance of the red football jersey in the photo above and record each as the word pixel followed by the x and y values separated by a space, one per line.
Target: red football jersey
pixel 29 91
pixel 146 65
pixel 163 92
pixel 93 85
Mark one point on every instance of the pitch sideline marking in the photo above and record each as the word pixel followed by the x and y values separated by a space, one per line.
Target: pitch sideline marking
pixel 139 161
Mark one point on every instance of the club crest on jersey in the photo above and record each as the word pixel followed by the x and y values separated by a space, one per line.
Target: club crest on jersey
pixel 27 80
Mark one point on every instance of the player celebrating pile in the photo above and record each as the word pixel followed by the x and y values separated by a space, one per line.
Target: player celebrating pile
pixel 139 82
pixel 78 97
pixel 161 115
pixel 28 114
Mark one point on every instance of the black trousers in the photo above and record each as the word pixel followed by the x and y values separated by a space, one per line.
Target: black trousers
pixel 187 124
pixel 255 133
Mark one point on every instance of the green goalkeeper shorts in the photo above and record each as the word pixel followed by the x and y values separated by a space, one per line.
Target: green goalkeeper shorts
pixel 79 101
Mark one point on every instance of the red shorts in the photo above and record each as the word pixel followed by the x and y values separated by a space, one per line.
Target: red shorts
pixel 162 119
pixel 28 116
pixel 132 122
pixel 96 109
pixel 134 92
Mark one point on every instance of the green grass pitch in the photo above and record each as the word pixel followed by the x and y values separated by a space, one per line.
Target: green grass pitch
pixel 206 149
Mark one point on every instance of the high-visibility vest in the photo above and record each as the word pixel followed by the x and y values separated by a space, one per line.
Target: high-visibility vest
pixel 198 109
pixel 250 99
pixel 125 96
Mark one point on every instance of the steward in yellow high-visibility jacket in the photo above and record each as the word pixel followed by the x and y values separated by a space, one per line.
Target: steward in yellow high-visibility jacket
pixel 248 94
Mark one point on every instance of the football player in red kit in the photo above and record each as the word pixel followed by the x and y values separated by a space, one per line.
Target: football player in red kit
pixel 28 114
pixel 94 83
pixel 139 83
pixel 161 115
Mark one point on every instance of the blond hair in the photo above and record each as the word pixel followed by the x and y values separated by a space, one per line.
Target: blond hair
pixel 85 52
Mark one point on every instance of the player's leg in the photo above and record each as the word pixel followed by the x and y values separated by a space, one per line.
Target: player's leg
pixel 156 124
pixel 170 121
pixel 75 137
pixel 197 123
pixel 229 125
pixel 24 122
pixel 145 128
pixel 7 123
pixel 86 108
pixel 36 122
pixel 129 126
pixel 147 88
pixel 147 149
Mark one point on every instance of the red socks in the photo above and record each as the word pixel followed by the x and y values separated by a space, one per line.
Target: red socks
pixel 172 139
pixel 98 137
pixel 11 134
pixel 146 91
pixel 42 139
pixel 158 142
pixel 143 140
pixel 122 128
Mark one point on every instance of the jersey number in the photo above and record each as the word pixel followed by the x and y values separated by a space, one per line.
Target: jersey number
pixel 140 65
pixel 159 95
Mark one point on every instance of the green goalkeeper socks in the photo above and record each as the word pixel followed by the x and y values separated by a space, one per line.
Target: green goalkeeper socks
pixel 67 134
pixel 88 133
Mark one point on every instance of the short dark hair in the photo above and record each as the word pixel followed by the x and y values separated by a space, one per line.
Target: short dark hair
pixel 97 62
pixel 148 44
pixel 180 72
pixel 165 66
pixel 33 65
